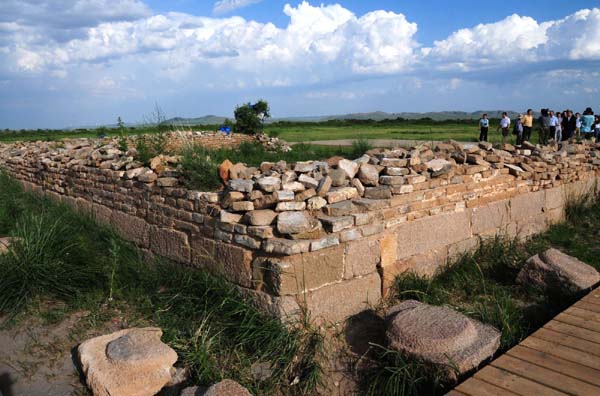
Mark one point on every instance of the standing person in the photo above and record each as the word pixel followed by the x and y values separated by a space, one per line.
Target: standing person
pixel 527 121
pixel 568 126
pixel 597 128
pixel 484 126
pixel 553 124
pixel 587 120
pixel 544 122
pixel 518 130
pixel 577 124
pixel 504 126
pixel 558 133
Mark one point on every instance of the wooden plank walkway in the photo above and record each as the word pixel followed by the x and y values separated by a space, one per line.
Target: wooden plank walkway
pixel 562 358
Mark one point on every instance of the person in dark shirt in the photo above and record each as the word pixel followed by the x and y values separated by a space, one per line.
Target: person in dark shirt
pixel 544 122
pixel 568 125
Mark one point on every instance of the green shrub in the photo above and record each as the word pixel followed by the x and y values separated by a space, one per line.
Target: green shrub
pixel 360 147
pixel 200 168
pixel 150 146
pixel 249 117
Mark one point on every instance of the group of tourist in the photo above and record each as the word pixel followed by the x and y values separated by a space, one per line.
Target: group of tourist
pixel 558 126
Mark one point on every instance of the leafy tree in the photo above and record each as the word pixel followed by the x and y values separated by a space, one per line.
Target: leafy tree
pixel 249 117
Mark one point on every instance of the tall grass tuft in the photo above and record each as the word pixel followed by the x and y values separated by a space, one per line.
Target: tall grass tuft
pixel 360 147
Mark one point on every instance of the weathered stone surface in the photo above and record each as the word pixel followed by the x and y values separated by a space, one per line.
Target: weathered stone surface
pixel 440 336
pixel 315 203
pixel 368 175
pixel 131 228
pixel 5 244
pixel 241 185
pixel 170 244
pixel 269 184
pixel 337 224
pixel 336 302
pixel 307 181
pixel 381 192
pixel 285 246
pixel 362 258
pixel 350 168
pixel 439 167
pixel 338 177
pixel 432 233
pixel 556 272
pixel 262 217
pixel 224 170
pixel 341 194
pixel 223 388
pixel 167 182
pixel 526 206
pixel 295 222
pixel 242 206
pixel 131 362
pixel 290 206
pixel 489 219
pixel 324 186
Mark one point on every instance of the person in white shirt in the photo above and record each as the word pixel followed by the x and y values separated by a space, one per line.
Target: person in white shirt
pixel 558 132
pixel 504 125
pixel 553 124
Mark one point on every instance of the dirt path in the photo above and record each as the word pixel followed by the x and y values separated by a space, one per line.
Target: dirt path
pixel 39 359
pixel 376 142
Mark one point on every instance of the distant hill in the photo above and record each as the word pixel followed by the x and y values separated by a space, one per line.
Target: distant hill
pixel 376 116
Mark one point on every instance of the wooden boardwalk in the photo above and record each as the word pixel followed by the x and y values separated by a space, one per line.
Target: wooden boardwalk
pixel 561 358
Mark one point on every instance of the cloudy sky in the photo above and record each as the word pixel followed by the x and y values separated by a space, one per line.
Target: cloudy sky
pixel 85 62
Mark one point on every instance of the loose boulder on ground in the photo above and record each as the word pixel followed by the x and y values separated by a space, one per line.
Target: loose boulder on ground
pixel 224 388
pixel 440 336
pixel 556 272
pixel 131 362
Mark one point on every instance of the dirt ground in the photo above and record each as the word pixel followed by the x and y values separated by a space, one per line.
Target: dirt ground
pixel 39 359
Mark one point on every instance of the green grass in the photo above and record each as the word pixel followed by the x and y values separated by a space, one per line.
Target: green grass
pixel 65 263
pixel 426 130
pixel 482 285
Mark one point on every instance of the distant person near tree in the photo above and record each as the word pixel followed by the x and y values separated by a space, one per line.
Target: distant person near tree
pixel 568 125
pixel 527 120
pixel 544 122
pixel 504 126
pixel 484 126
pixel 587 120
pixel 577 124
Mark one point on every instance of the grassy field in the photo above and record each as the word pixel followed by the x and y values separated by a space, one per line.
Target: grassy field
pixel 435 131
pixel 426 130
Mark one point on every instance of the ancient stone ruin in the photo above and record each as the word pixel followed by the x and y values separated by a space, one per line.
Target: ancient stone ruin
pixel 328 234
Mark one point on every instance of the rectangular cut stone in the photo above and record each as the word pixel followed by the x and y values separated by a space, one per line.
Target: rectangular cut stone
pixel 300 273
pixel 323 243
pixel 490 219
pixel 427 265
pixel 341 194
pixel 430 233
pixel 555 197
pixel 288 206
pixel 343 208
pixel 231 262
pixel 391 180
pixel 170 244
pixel 337 224
pixel 284 195
pixel 242 206
pixel 336 302
pixel 372 204
pixel 527 205
pixel 285 246
pixel 247 241
pixel 362 257
pixel 132 228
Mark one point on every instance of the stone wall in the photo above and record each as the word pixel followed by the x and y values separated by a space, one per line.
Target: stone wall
pixel 330 235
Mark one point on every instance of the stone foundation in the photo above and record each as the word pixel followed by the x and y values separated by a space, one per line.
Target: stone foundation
pixel 347 262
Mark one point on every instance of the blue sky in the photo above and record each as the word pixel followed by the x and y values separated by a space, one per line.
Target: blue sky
pixel 85 62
